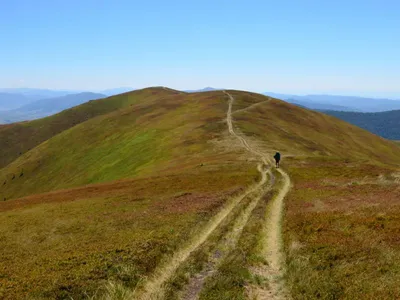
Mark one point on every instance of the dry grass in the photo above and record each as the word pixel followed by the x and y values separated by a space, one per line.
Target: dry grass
pixel 62 242
pixel 68 244
pixel 341 225
pixel 111 189
pixel 342 230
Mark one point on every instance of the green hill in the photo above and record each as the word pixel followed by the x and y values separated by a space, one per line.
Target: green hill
pixel 96 198
pixel 16 139
pixel 300 132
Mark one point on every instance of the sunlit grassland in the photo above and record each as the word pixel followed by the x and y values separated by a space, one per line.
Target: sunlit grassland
pixel 235 272
pixel 120 192
pixel 17 139
pixel 71 243
pixel 129 142
pixel 342 231
pixel 113 188
pixel 297 131
pixel 342 224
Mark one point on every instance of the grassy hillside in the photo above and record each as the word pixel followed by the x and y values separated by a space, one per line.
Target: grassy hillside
pixel 179 168
pixel 385 124
pixel 301 132
pixel 107 198
pixel 341 222
pixel 17 139
pixel 141 139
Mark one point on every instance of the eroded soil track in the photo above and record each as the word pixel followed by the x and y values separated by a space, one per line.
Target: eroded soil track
pixel 153 288
pixel 272 248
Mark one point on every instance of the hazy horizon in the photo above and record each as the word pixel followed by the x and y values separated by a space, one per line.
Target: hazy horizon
pixel 300 93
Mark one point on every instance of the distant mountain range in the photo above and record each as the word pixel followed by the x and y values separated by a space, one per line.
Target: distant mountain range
pixel 342 103
pixel 20 104
pixel 206 89
pixel 11 101
pixel 45 107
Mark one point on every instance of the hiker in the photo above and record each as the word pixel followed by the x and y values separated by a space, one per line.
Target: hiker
pixel 277 157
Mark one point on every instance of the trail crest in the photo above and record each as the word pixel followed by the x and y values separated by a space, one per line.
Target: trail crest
pixel 272 248
pixel 153 288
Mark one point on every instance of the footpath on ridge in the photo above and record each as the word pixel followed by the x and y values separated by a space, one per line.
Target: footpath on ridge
pixel 153 288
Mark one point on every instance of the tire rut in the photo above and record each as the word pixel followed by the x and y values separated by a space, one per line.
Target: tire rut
pixel 272 249
pixel 227 243
pixel 153 289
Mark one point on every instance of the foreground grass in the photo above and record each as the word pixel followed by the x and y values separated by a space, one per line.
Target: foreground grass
pixel 341 231
pixel 234 273
pixel 71 243
pixel 178 168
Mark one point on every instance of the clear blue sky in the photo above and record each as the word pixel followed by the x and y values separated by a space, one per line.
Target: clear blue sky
pixel 341 47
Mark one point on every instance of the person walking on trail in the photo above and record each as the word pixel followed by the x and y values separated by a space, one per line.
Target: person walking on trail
pixel 277 157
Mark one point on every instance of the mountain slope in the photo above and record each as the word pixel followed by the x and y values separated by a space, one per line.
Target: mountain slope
pixel 141 175
pixel 17 139
pixel 341 216
pixel 385 124
pixel 298 131
pixel 139 139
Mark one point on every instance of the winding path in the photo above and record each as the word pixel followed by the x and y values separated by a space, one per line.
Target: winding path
pixel 153 288
pixel 272 249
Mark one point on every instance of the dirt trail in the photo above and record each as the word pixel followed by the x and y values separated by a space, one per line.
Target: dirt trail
pixel 228 242
pixel 153 287
pixel 272 234
pixel 251 106
pixel 272 249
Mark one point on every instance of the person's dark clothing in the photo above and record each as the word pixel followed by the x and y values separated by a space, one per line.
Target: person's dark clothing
pixel 277 156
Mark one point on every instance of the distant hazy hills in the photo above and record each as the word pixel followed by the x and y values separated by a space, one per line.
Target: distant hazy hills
pixel 60 103
pixel 11 101
pixel 45 107
pixel 20 104
pixel 342 103
pixel 206 89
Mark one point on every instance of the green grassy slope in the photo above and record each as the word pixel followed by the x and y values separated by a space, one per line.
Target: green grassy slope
pixel 108 198
pixel 179 168
pixel 341 219
pixel 17 139
pixel 298 131
pixel 140 139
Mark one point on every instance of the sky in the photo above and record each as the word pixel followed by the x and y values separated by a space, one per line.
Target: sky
pixel 336 47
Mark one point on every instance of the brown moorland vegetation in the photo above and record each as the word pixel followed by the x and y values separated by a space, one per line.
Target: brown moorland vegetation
pixel 342 216
pixel 61 242
pixel 108 199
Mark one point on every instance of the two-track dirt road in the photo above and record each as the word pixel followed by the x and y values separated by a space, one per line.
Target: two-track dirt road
pixel 153 288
